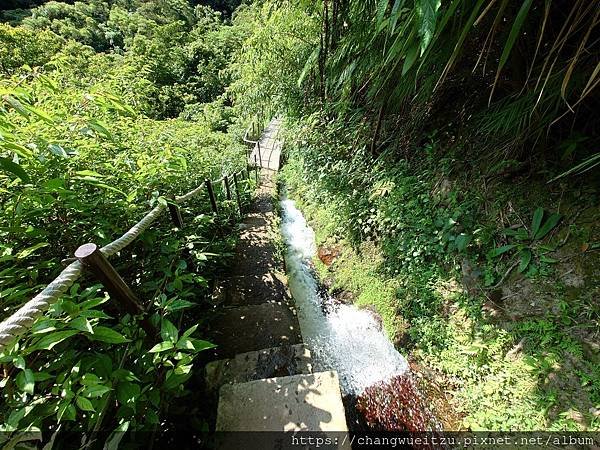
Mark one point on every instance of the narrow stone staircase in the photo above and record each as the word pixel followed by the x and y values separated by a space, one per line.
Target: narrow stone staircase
pixel 264 378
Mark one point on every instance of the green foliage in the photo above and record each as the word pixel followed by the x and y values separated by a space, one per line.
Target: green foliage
pixel 417 248
pixel 83 155
pixel 179 53
pixel 527 241
pixel 21 46
pixel 276 43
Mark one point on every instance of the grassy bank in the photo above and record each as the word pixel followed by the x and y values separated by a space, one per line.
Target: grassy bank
pixel 513 346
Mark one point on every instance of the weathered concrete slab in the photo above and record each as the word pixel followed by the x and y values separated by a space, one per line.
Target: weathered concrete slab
pixel 296 403
pixel 254 327
pixel 267 363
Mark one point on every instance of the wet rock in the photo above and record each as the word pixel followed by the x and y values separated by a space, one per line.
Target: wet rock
pixel 328 254
pixel 345 297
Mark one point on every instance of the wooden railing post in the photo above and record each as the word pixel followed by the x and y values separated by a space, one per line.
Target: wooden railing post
pixel 211 196
pixel 175 213
pixel 259 155
pixel 256 168
pixel 237 193
pixel 227 190
pixel 93 259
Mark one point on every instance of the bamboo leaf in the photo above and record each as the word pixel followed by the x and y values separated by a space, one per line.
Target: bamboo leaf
pixel 427 12
pixel 512 38
pixel 411 57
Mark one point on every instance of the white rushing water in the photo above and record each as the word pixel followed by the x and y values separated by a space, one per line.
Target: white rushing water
pixel 346 339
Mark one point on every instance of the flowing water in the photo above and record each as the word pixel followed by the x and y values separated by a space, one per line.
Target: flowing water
pixel 340 337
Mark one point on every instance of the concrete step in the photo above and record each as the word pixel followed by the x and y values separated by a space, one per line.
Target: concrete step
pixel 267 363
pixel 296 403
pixel 254 327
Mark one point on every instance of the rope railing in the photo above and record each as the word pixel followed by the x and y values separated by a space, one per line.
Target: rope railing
pixel 23 319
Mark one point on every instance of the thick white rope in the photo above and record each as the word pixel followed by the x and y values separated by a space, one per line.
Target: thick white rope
pixel 24 317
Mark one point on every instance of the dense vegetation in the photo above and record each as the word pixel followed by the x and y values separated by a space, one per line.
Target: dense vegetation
pixel 448 152
pixel 107 108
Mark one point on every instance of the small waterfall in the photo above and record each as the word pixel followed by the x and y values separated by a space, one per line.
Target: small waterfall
pixel 340 337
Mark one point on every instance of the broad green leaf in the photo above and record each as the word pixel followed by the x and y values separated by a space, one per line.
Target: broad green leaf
pixel 66 411
pixel 81 324
pixel 537 221
pixel 174 380
pixel 25 381
pixel 16 105
pixel 84 404
pixel 179 304
pixel 381 9
pixel 128 392
pixel 48 342
pixel 95 391
pixel 525 256
pixel 40 114
pixel 109 335
pixel 89 173
pixel 194 344
pixel 89 379
pixel 113 441
pixel 520 233
pixel 500 250
pixel 168 331
pixel 462 241
pixel 19 362
pixel 101 129
pixel 427 11
pixel 20 150
pixel 411 57
pixel 161 347
pixel 124 375
pixel 42 376
pixel 548 225
pixel 58 150
pixel 8 166
pixel 548 260
pixel 190 330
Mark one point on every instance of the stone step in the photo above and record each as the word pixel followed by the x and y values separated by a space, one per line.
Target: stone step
pixel 254 327
pixel 310 402
pixel 267 363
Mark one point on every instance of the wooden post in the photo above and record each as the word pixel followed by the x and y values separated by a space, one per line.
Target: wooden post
pixel 93 259
pixel 211 196
pixel 227 190
pixel 259 155
pixel 256 168
pixel 237 193
pixel 175 213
